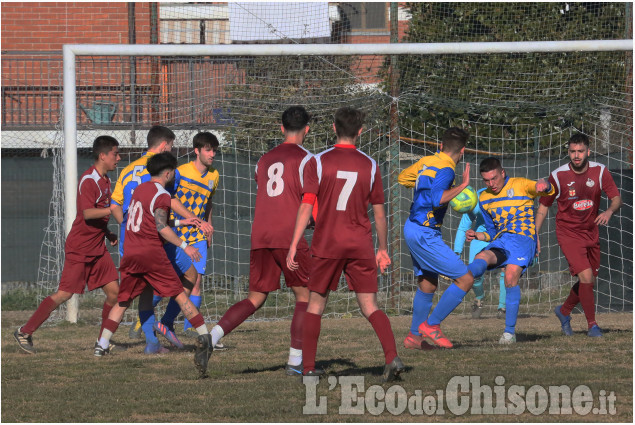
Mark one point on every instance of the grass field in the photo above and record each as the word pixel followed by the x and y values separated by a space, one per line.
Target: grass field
pixel 64 382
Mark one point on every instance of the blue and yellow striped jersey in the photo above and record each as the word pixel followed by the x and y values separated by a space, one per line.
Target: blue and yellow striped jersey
pixel 430 177
pixel 129 178
pixel 512 209
pixel 194 191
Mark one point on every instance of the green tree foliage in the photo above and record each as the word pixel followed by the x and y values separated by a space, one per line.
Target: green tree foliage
pixel 511 93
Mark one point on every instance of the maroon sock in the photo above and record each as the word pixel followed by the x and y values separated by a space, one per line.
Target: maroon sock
pixel 382 328
pixel 111 325
pixel 104 315
pixel 310 335
pixel 197 321
pixel 587 299
pixel 236 314
pixel 297 325
pixel 572 300
pixel 42 313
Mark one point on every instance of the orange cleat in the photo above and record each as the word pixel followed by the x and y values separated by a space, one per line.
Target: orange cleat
pixel 434 334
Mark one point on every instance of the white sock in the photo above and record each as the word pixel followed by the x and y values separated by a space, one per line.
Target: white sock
pixel 217 333
pixel 201 330
pixel 295 357
pixel 104 341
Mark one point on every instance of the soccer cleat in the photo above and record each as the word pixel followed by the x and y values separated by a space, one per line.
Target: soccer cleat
pixel 565 321
pixel 135 330
pixel 191 333
pixel 24 341
pixel 291 370
pixel 167 333
pixel 434 333
pixel 220 347
pixel 500 314
pixel 507 339
pixel 477 309
pixel 595 332
pixel 413 341
pixel 99 351
pixel 204 348
pixel 392 370
pixel 315 372
pixel 155 349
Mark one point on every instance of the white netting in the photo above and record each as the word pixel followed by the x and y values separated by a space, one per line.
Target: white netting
pixel 521 107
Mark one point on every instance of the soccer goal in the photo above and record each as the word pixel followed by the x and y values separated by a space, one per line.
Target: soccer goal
pixel 520 101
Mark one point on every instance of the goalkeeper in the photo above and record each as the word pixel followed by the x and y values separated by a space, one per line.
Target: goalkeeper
pixel 474 220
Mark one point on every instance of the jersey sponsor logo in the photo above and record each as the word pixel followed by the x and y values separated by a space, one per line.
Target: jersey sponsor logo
pixel 510 193
pixel 585 204
pixel 590 183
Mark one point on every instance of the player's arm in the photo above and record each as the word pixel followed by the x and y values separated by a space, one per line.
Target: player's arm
pixel 301 221
pixel 116 200
pixel 208 216
pixel 382 257
pixel 89 194
pixel 164 229
pixel 487 236
pixel 464 226
pixel 541 187
pixel 541 214
pixel 94 213
pixel 117 212
pixel 603 218
pixel 408 177
pixel 451 193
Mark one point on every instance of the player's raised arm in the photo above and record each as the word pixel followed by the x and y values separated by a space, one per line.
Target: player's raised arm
pixel 452 192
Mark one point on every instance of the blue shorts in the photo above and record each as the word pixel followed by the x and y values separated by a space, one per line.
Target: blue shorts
pixel 520 249
pixel 182 262
pixel 430 255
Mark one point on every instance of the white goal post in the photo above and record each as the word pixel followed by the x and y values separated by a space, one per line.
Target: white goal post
pixel 70 52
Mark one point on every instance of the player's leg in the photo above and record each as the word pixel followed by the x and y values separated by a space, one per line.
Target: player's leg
pixel 587 300
pixel 477 246
pixel 421 306
pixel 109 327
pixel 502 294
pixel 197 300
pixel 237 314
pixel 187 273
pixel 512 302
pixel 311 332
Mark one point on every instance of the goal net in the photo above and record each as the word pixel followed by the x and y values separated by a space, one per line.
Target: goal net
pixel 521 106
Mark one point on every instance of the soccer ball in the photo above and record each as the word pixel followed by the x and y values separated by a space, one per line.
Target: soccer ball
pixel 464 201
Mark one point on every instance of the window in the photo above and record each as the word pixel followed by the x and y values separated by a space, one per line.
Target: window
pixel 364 16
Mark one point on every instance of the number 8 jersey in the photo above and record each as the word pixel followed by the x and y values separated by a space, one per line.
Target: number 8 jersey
pixel 279 176
pixel 345 181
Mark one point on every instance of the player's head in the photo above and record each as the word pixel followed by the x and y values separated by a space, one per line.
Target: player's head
pixel 295 119
pixel 106 150
pixel 579 151
pixel 453 141
pixel 205 147
pixel 160 164
pixel 160 139
pixel 348 123
pixel 493 174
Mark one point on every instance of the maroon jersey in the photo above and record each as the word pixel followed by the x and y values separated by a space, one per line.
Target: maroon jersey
pixel 86 238
pixel 279 176
pixel 345 181
pixel 578 198
pixel 142 243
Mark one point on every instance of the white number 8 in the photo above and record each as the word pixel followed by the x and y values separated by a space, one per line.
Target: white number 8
pixel 275 178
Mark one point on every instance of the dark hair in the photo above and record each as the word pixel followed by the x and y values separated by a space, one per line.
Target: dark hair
pixel 161 162
pixel 203 139
pixel 295 118
pixel 490 164
pixel 348 121
pixel 579 138
pixel 103 144
pixel 158 134
pixel 454 139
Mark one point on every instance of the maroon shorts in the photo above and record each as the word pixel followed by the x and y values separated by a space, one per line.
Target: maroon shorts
pixel 266 265
pixel 163 279
pixel 361 274
pixel 95 273
pixel 581 254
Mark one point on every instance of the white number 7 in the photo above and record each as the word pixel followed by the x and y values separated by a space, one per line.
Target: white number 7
pixel 351 179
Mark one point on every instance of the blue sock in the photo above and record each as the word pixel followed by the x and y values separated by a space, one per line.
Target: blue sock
pixel 421 306
pixel 503 291
pixel 171 311
pixel 512 300
pixel 147 321
pixel 477 267
pixel 196 300
pixel 479 291
pixel 155 300
pixel 450 299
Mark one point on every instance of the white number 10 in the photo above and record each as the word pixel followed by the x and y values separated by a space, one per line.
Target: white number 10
pixel 351 179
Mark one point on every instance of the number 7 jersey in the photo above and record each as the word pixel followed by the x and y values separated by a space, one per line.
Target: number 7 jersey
pixel 279 176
